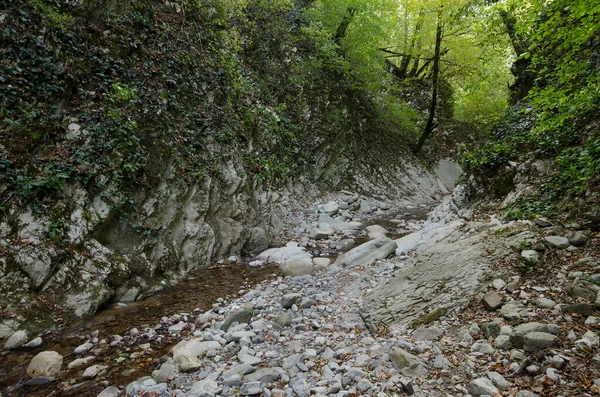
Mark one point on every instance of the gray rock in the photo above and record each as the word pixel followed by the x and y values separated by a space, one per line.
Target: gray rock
pixel 93 371
pixel 364 385
pixel 293 261
pixel 265 375
pixel 580 308
pixel 187 363
pixel 377 229
pixel 40 381
pixel 530 256
pixel 167 371
pixel 490 330
pixel 36 342
pixel 110 391
pixel 517 337
pixel 194 347
pixel 502 342
pixel 492 301
pixel 249 359
pixel 307 302
pixel 558 242
pixel 242 369
pixel 498 380
pixel 45 364
pixel 578 238
pixel 257 242
pixel 321 263
pixel 284 320
pixel 367 253
pixel 427 333
pixel 177 328
pixel 545 303
pixel 499 284
pixel 243 316
pixel 407 363
pixel 232 380
pixel 441 362
pixel 526 393
pixel 482 386
pixel 250 388
pixel 300 387
pixel 512 287
pixel 330 208
pixel 84 348
pixel 238 335
pixel 322 231
pixel 79 362
pixel 16 340
pixel 483 348
pixel 204 388
pixel 577 291
pixel 535 341
pixel 288 300
pixel 542 221
pixel 513 310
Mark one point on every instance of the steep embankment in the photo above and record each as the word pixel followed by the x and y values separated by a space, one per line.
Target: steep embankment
pixel 141 141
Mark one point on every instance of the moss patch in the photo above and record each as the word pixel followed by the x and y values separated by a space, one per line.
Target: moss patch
pixel 427 318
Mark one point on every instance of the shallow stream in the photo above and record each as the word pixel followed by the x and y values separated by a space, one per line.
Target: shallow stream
pixel 199 291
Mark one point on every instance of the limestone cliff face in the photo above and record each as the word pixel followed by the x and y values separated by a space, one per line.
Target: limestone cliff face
pixel 104 255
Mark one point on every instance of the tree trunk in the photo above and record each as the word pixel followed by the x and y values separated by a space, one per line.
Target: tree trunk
pixel 343 26
pixel 411 52
pixel 436 75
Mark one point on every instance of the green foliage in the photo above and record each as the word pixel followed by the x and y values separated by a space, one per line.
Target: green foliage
pixel 528 208
pixel 511 139
pixel 565 58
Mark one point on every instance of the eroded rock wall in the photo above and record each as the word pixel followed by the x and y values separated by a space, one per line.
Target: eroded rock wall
pixel 81 251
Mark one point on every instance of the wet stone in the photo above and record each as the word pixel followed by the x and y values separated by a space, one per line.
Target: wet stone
pixel 16 340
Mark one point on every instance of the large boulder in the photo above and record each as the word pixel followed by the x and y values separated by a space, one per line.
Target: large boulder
pixel 45 364
pixel 367 253
pixel 293 261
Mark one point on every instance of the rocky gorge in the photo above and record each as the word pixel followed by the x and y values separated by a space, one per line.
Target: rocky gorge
pixel 210 198
pixel 382 303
